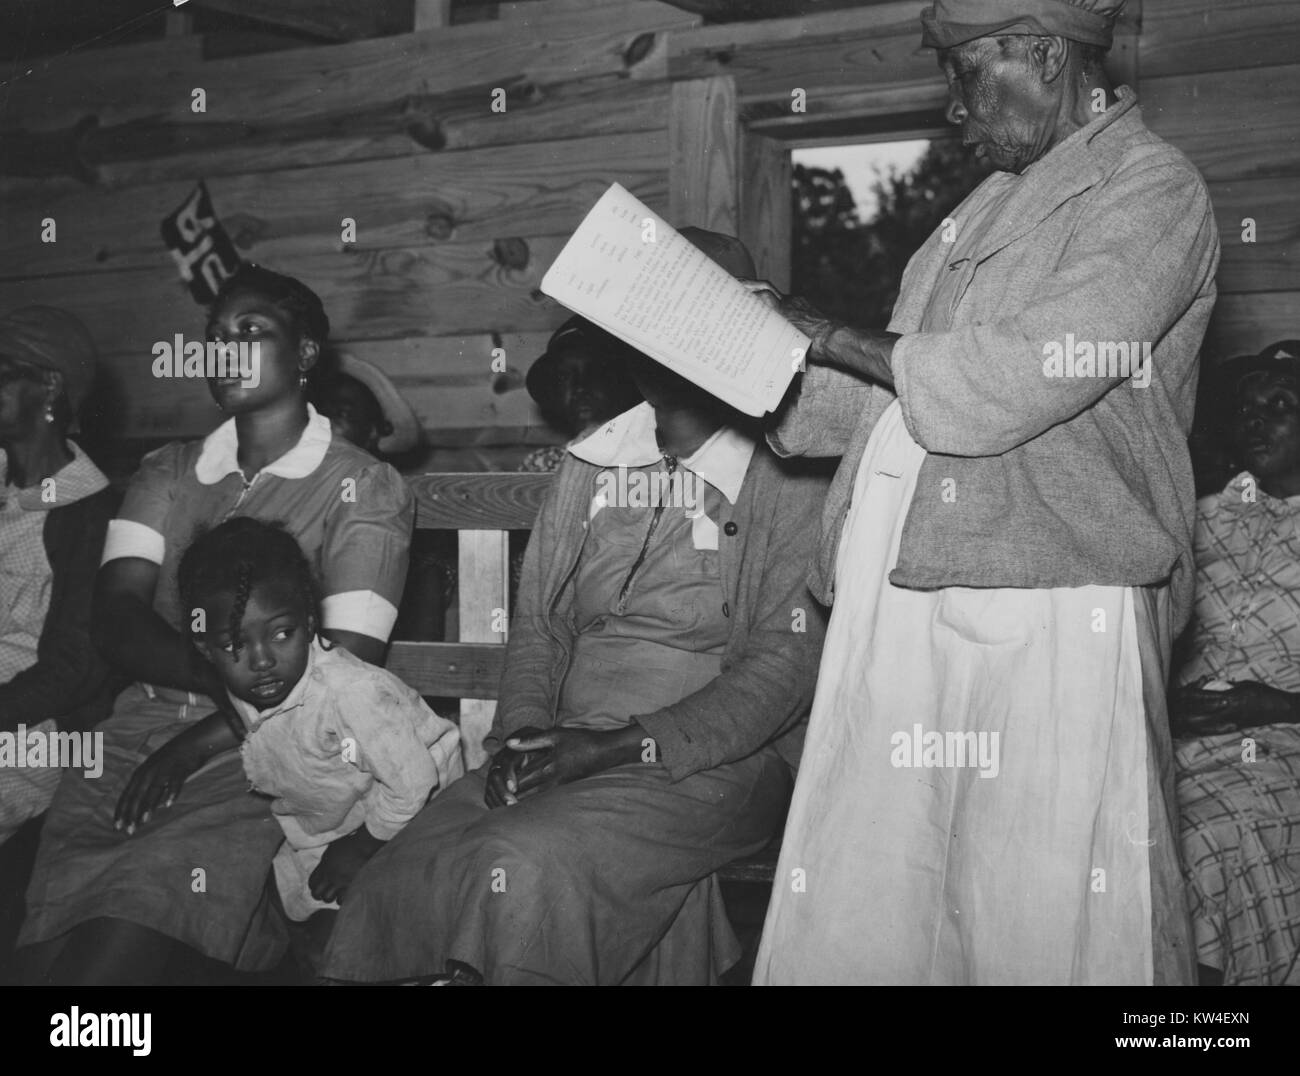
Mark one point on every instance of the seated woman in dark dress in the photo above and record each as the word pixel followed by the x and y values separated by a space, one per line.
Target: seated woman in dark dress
pixel 660 665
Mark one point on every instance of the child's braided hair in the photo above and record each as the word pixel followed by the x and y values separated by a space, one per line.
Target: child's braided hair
pixel 238 555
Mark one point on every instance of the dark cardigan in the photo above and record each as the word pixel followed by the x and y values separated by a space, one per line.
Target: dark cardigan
pixel 70 680
pixel 770 664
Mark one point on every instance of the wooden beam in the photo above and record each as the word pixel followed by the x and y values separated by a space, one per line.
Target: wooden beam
pixel 792 73
pixel 539 12
pixel 178 23
pixel 806 73
pixel 150 151
pixel 343 80
pixel 1232 124
pixel 473 195
pixel 431 13
pixel 766 206
pixel 773 56
pixel 330 20
pixel 1188 37
pixel 713 10
pixel 747 10
pixel 702 134
pixel 226 44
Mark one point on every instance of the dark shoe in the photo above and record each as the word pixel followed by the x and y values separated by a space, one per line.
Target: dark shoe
pixel 457 974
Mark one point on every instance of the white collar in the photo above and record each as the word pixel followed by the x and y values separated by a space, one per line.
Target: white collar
pixel 220 454
pixel 253 717
pixel 76 479
pixel 629 441
pixel 1232 493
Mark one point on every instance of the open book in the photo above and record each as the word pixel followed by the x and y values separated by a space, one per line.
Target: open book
pixel 630 272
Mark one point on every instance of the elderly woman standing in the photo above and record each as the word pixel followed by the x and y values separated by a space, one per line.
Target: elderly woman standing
pixel 986 792
pixel 168 850
pixel 54 508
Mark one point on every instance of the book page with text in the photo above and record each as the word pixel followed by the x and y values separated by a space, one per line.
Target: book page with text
pixel 630 272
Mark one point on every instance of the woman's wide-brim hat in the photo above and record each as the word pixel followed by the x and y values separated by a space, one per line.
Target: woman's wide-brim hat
pixel 400 414
pixel 576 337
pixel 1281 357
pixel 580 337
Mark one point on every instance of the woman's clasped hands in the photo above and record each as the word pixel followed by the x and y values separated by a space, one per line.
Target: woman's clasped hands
pixel 534 760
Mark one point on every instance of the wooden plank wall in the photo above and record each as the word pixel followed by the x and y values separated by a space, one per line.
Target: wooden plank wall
pixel 1219 79
pixel 459 209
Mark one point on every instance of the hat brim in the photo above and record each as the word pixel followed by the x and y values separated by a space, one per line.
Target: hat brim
pixel 1230 374
pixel 540 379
pixel 399 414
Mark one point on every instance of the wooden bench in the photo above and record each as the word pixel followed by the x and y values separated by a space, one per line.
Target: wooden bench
pixel 483 508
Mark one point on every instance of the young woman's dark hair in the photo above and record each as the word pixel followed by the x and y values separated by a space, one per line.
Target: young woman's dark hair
pixel 292 296
pixel 238 555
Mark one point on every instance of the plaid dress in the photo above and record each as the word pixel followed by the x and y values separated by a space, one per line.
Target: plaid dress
pixel 1239 793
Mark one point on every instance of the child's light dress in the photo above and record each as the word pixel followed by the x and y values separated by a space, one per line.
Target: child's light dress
pixel 351 745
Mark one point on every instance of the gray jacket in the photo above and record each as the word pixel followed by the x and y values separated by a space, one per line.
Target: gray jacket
pixel 1055 481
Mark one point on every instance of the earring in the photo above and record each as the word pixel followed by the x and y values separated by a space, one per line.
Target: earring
pixel 302 382
pixel 49 412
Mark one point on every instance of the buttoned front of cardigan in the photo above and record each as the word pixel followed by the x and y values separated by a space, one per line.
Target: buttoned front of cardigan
pixel 769 663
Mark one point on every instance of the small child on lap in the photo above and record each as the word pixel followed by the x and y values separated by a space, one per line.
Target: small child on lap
pixel 347 751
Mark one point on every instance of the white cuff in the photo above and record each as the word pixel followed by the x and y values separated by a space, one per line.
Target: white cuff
pixel 361 611
pixel 127 538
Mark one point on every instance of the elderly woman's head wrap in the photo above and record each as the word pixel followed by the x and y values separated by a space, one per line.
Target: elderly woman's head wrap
pixel 947 23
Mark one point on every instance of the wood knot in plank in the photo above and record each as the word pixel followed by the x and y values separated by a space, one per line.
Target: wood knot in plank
pixel 639 49
pixel 422 123
pixel 511 253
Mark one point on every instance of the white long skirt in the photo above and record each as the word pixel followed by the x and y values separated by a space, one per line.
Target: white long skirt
pixel 984 793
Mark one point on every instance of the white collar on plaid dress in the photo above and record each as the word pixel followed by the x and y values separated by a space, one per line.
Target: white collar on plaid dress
pixel 75 480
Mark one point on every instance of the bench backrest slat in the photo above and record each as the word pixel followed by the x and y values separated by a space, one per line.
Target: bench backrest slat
pixel 453 670
pixel 483 508
pixel 485 502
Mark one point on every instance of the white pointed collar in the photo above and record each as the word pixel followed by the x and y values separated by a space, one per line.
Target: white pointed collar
pixel 629 441
pixel 220 453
